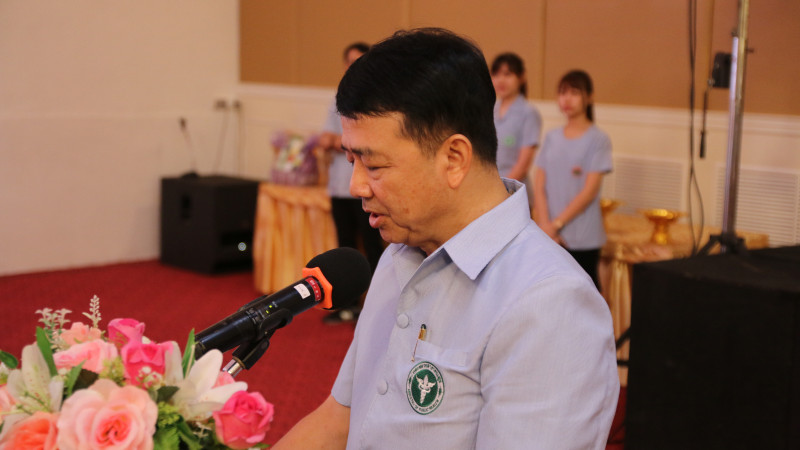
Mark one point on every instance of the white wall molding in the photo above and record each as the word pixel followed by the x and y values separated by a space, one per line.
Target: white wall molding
pixel 648 135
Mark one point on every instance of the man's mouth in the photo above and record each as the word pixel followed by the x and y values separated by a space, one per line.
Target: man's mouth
pixel 375 219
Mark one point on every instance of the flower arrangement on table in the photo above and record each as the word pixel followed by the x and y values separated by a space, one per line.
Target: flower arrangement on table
pixel 80 387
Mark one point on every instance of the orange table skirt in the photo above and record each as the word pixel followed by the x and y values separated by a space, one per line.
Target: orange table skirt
pixel 293 224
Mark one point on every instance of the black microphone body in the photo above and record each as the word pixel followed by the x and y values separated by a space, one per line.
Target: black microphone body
pixel 255 319
pixel 334 279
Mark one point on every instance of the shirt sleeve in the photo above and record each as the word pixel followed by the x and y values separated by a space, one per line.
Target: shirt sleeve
pixel 540 160
pixel 601 156
pixel 549 376
pixel 342 389
pixel 531 128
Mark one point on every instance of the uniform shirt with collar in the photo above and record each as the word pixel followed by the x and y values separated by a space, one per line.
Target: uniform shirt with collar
pixel 521 337
pixel 340 169
pixel 567 162
pixel 521 126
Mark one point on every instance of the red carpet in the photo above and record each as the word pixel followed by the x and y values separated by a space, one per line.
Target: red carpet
pixel 295 374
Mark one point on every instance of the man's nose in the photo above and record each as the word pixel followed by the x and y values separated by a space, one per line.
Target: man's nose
pixel 358 181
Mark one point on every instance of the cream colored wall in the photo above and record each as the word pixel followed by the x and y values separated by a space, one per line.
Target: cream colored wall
pixel 90 96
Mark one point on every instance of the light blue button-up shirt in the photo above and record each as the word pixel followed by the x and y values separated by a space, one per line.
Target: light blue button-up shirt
pixel 518 352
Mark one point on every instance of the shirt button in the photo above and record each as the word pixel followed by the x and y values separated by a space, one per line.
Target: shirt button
pixel 402 320
pixel 383 386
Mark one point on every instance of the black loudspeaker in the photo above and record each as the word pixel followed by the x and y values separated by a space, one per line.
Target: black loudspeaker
pixel 715 353
pixel 207 223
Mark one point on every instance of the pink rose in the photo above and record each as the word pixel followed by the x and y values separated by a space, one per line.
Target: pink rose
pixel 106 415
pixel 80 333
pixel 93 354
pixel 141 361
pixel 244 420
pixel 35 432
pixel 122 331
pixel 224 378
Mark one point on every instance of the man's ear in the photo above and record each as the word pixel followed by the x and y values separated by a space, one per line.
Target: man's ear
pixel 457 157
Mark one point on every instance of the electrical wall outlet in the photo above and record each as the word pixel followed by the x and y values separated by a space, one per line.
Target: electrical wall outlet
pixel 220 104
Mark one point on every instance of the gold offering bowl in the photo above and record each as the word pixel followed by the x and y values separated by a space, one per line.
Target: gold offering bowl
pixel 608 205
pixel 661 218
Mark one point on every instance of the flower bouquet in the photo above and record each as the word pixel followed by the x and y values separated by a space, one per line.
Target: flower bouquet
pixel 83 388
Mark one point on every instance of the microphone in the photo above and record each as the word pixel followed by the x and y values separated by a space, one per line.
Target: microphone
pixel 331 280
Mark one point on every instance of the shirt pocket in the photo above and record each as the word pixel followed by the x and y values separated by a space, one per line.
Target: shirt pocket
pixel 447 357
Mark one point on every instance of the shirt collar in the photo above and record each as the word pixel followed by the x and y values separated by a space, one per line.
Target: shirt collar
pixel 475 245
pixel 518 103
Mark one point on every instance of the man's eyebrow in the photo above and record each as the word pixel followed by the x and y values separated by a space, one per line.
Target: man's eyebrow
pixel 358 151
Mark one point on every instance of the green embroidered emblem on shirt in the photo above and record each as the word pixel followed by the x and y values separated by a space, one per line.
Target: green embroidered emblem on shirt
pixel 425 388
pixel 509 141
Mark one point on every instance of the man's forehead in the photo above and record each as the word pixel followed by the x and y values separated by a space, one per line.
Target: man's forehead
pixel 364 135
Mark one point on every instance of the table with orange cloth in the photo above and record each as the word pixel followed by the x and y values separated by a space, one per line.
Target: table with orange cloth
pixel 293 224
pixel 629 243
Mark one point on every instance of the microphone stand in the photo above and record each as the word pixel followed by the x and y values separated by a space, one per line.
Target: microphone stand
pixel 728 239
pixel 247 354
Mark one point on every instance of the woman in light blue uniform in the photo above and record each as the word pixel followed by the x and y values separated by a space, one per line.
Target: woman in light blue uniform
pixel 569 173
pixel 518 123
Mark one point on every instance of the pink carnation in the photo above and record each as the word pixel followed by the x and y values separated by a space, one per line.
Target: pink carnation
pixel 244 420
pixel 37 432
pixel 122 331
pixel 80 333
pixel 93 354
pixel 141 360
pixel 108 416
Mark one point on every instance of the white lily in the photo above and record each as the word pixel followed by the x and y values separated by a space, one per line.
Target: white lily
pixel 173 367
pixel 32 387
pixel 197 397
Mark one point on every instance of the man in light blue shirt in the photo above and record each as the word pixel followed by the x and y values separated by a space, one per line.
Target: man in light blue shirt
pixel 478 330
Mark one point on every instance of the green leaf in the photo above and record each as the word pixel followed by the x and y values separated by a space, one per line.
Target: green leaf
pixel 9 360
pixel 165 393
pixel 166 439
pixel 72 378
pixel 188 353
pixel 188 437
pixel 44 345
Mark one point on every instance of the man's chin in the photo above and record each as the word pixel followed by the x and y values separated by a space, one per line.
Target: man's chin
pixel 391 236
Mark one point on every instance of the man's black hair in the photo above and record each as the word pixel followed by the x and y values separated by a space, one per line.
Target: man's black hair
pixel 438 81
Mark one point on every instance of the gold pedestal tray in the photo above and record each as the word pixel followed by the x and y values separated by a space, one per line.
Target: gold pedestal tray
pixel 608 205
pixel 661 219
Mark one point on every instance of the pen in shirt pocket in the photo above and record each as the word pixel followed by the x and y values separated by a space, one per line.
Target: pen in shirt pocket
pixel 423 330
